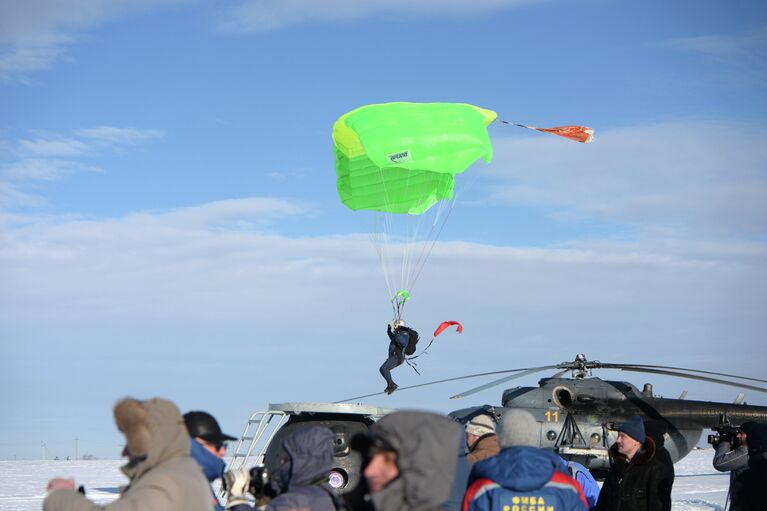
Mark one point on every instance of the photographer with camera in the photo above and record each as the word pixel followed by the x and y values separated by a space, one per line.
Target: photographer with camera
pixel 301 482
pixel 732 456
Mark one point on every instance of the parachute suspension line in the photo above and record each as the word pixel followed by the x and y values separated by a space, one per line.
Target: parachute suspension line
pixel 425 246
pixel 423 351
pixel 413 365
pixel 384 239
pixel 376 239
pixel 429 247
pixel 412 247
pixel 409 242
pixel 379 245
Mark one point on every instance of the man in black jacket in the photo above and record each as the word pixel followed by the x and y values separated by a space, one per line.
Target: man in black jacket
pixel 656 429
pixel 731 456
pixel 752 481
pixel 402 342
pixel 634 482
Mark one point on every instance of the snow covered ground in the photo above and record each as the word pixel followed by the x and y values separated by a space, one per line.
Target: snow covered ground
pixel 22 483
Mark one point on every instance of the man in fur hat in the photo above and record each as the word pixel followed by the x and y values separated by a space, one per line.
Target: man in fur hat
pixel 163 477
pixel 635 480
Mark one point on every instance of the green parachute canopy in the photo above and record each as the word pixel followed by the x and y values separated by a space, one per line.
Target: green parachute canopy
pixel 403 157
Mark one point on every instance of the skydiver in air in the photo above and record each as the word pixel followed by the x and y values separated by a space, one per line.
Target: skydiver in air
pixel 402 341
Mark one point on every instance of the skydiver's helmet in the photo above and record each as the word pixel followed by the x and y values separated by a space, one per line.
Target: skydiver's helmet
pixel 395 324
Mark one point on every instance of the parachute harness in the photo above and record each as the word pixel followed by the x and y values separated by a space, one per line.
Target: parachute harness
pixel 412 364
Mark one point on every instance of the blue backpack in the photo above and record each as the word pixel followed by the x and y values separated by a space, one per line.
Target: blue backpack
pixel 586 480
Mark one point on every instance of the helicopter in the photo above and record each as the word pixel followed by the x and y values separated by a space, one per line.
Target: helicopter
pixel 575 416
pixel 578 416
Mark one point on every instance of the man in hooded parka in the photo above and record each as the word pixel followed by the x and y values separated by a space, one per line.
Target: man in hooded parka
pixel 301 482
pixel 425 448
pixel 162 475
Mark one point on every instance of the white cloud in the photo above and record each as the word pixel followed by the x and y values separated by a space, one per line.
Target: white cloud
pixel 41 169
pixel 53 147
pixel 12 197
pixel 745 53
pixel 34 34
pixel 754 40
pixel 687 178
pixel 51 157
pixel 19 62
pixel 119 136
pixel 262 15
pixel 217 263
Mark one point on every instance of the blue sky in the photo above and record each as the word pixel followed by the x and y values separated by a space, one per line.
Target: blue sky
pixel 169 223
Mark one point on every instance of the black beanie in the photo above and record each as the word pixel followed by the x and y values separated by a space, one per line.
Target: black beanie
pixel 634 427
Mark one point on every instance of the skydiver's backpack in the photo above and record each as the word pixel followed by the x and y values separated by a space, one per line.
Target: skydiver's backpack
pixel 412 340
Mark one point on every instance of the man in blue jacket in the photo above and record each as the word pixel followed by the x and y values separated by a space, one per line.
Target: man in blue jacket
pixel 521 476
pixel 208 447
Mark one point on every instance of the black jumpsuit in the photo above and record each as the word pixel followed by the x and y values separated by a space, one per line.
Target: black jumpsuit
pixel 398 340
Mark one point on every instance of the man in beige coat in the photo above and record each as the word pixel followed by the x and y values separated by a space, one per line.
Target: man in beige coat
pixel 163 477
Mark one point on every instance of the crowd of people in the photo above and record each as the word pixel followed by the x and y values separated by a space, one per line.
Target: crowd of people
pixel 411 461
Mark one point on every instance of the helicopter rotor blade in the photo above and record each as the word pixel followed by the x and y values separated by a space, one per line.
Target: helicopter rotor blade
pixel 607 366
pixel 465 377
pixel 524 372
pixel 636 369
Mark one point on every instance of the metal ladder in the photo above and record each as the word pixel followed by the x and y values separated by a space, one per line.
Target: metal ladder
pixel 253 436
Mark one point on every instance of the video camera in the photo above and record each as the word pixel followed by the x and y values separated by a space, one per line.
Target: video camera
pixel 724 433
pixel 257 483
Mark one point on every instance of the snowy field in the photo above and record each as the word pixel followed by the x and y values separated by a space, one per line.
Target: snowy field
pixel 22 483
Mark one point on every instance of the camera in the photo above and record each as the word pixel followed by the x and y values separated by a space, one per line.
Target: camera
pixel 259 485
pixel 724 433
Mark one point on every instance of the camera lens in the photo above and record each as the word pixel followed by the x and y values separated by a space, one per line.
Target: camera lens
pixel 337 478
